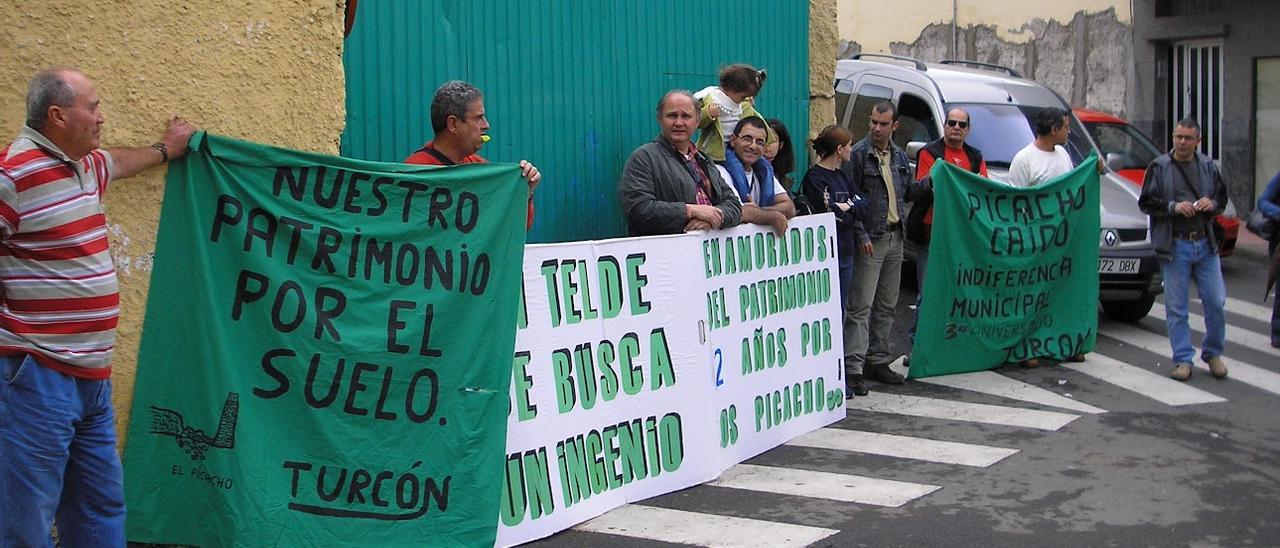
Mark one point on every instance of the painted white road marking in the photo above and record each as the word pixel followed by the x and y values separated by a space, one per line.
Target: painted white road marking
pixel 995 384
pixel 881 402
pixel 823 485
pixel 1152 385
pixel 1159 344
pixel 1238 335
pixel 945 452
pixel 649 522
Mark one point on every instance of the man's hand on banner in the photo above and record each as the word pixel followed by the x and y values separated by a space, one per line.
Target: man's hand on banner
pixel 176 136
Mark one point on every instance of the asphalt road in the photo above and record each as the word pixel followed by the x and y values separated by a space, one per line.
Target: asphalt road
pixel 1144 462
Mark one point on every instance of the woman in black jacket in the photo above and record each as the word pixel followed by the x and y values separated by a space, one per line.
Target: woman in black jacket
pixel 827 189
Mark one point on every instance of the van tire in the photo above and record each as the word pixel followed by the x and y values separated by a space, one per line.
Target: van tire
pixel 1129 311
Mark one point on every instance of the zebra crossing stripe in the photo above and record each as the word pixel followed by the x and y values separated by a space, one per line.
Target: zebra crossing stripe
pixel 1251 339
pixel 698 529
pixel 1136 379
pixel 995 384
pixel 917 406
pixel 1247 309
pixel 1159 344
pixel 822 485
pixel 906 447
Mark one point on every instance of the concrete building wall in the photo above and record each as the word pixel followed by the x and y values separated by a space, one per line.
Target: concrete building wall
pixel 824 41
pixel 1081 49
pixel 265 70
pixel 1245 28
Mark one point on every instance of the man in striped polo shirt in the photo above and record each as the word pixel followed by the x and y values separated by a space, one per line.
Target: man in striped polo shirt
pixel 59 303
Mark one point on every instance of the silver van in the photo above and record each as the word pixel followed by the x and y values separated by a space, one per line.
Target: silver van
pixel 1001 105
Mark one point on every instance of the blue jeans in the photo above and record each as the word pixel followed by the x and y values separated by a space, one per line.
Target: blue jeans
pixel 57 458
pixel 1194 259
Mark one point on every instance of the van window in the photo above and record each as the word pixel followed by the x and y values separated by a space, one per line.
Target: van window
pixel 1134 149
pixel 1000 131
pixel 915 121
pixel 859 120
pixel 844 90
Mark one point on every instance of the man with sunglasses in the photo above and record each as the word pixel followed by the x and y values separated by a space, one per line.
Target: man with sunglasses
pixel 952 149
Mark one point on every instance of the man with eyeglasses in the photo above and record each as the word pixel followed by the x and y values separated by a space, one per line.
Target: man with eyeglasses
pixel 1182 192
pixel 764 200
pixel 951 148
pixel 460 126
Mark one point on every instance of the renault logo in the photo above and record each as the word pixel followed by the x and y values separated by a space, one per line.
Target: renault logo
pixel 1110 237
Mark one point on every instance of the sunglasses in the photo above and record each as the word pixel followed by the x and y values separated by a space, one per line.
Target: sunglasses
pixel 958 123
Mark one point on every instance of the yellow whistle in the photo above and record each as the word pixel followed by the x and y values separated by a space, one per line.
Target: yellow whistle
pixel 485 138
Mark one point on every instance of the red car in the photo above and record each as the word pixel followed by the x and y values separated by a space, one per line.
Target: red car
pixel 1128 152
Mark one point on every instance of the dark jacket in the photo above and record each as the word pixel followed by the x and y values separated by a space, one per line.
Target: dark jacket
pixel 1157 199
pixel 1269 203
pixel 823 188
pixel 863 171
pixel 921 194
pixel 656 184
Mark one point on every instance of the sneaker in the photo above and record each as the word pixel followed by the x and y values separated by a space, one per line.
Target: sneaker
pixel 906 361
pixel 885 375
pixel 1216 367
pixel 856 386
pixel 1182 372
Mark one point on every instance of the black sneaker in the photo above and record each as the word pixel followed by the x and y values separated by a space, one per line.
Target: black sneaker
pixel 885 375
pixel 856 387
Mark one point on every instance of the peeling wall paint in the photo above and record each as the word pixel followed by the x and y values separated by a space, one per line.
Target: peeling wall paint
pixel 824 41
pixel 1086 56
pixel 268 71
pixel 875 28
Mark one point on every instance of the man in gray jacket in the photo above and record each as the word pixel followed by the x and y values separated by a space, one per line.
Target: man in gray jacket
pixel 668 186
pixel 1183 192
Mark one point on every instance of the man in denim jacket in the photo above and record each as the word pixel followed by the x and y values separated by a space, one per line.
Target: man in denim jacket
pixel 880 173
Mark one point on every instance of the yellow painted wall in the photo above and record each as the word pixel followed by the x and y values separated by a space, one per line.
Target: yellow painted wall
pixel 874 25
pixel 262 70
pixel 824 40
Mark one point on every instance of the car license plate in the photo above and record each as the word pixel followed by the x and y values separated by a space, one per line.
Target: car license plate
pixel 1118 266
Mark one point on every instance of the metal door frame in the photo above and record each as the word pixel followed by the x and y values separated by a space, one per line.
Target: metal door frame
pixel 1196 75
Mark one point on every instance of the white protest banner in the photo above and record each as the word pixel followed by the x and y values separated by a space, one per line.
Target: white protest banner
pixel 609 394
pixel 774 314
pixel 648 365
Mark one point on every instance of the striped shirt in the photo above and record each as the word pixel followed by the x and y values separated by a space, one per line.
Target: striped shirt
pixel 59 299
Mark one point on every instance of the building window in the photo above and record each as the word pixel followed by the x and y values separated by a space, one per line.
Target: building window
pixel 1172 8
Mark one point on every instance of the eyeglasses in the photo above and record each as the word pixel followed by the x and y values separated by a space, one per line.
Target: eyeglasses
pixel 958 123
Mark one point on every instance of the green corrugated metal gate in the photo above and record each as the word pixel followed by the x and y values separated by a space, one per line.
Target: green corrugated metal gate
pixel 569 85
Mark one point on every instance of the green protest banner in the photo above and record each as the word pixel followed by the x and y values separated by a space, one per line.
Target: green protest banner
pixel 326 354
pixel 1012 274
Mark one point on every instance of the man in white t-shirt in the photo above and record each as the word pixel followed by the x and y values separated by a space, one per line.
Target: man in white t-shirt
pixel 1044 158
pixel 762 204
